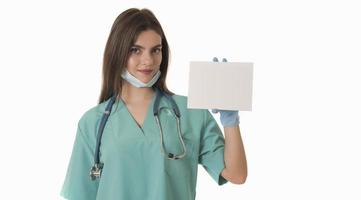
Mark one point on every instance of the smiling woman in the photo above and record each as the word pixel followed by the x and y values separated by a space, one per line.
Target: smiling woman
pixel 136 42
pixel 141 141
pixel 146 56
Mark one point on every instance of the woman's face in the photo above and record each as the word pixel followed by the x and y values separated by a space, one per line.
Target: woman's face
pixel 145 56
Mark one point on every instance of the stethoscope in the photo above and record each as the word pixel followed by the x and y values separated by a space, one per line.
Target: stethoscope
pixel 96 170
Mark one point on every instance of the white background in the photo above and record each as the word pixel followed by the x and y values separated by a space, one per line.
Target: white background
pixel 302 138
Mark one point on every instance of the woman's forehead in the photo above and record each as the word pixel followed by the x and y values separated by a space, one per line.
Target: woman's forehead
pixel 148 38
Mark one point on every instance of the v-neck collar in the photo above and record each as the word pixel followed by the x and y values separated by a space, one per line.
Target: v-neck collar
pixel 147 116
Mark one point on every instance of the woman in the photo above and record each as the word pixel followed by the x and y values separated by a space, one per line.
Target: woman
pixel 140 157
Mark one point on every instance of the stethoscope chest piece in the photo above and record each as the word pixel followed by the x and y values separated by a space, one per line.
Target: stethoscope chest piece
pixel 96 171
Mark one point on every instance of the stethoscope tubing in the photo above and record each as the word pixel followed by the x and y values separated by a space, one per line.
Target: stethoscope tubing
pixel 96 169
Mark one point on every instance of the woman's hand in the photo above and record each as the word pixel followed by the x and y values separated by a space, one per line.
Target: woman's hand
pixel 229 118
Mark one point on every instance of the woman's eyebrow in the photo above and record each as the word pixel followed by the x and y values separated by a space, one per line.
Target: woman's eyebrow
pixel 141 47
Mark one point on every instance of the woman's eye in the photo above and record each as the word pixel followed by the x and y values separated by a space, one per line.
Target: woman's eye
pixel 134 50
pixel 157 50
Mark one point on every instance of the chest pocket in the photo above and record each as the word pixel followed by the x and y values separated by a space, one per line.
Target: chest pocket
pixel 183 167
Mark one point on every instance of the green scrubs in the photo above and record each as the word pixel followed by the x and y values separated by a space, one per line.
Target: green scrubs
pixel 134 166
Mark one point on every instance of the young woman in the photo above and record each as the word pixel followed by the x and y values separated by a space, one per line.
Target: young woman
pixel 141 142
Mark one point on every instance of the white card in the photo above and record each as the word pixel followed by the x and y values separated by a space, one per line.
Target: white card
pixel 221 85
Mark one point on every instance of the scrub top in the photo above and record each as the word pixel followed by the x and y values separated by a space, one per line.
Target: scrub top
pixel 134 166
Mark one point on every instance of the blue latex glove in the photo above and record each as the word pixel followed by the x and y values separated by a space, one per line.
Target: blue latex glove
pixel 228 117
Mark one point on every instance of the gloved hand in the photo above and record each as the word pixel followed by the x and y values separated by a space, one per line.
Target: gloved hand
pixel 228 117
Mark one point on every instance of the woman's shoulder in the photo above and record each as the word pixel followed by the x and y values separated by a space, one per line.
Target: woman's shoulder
pixel 93 114
pixel 182 102
pixel 180 98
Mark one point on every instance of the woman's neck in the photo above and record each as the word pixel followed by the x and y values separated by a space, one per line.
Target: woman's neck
pixel 133 94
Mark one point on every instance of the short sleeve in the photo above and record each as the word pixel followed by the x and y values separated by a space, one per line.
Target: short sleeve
pixel 211 154
pixel 77 184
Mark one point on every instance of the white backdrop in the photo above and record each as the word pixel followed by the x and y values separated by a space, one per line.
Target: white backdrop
pixel 302 138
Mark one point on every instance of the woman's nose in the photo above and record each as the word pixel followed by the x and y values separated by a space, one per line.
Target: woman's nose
pixel 147 59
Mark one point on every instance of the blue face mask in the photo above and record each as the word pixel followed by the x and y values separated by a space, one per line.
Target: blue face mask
pixel 136 82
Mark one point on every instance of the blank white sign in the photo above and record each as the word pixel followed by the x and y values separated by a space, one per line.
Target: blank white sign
pixel 221 85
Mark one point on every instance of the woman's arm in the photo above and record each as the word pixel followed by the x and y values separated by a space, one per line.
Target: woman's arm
pixel 234 156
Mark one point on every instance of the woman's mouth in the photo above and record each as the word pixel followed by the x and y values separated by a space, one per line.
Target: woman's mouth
pixel 146 71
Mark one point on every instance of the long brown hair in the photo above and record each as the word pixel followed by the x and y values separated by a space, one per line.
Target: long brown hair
pixel 124 32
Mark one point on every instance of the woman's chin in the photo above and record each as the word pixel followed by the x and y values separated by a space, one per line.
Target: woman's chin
pixel 143 80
